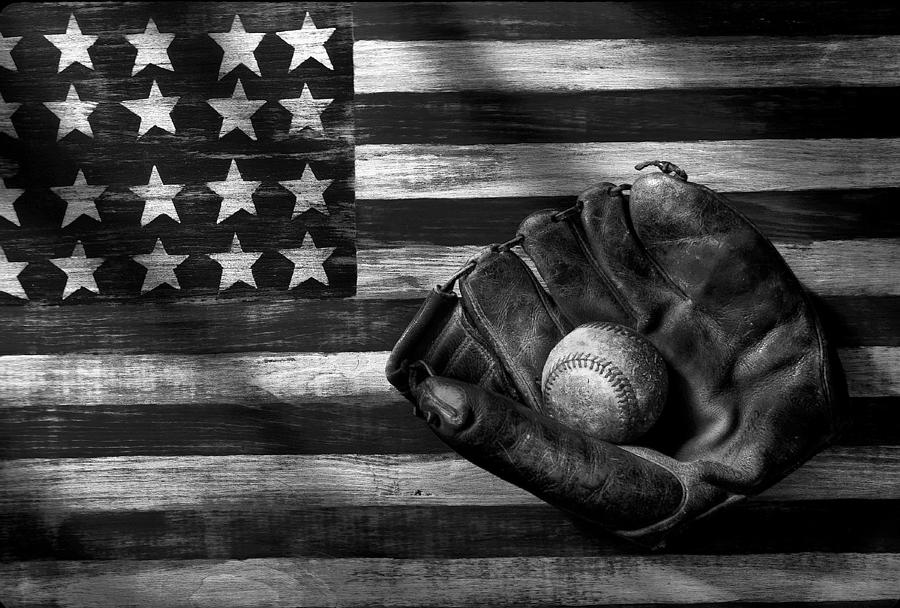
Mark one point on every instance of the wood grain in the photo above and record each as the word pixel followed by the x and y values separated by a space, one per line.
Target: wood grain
pixel 804 215
pixel 289 325
pixel 479 117
pixel 591 65
pixel 436 531
pixel 863 267
pixel 60 487
pixel 399 171
pixel 349 378
pixel 328 427
pixel 564 20
pixel 496 581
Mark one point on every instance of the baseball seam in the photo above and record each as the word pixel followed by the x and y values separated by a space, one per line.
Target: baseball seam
pixel 622 387
pixel 612 328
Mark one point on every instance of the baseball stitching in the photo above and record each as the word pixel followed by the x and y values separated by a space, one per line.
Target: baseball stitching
pixel 622 388
pixel 612 328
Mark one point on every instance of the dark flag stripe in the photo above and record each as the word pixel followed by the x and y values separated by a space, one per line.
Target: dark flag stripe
pixel 413 532
pixel 383 425
pixel 804 215
pixel 572 20
pixel 240 325
pixel 465 117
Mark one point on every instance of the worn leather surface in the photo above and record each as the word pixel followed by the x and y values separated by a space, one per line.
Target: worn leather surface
pixel 754 391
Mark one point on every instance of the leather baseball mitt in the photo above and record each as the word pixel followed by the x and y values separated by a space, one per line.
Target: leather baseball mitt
pixel 754 391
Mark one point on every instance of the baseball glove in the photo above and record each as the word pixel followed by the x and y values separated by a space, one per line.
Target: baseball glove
pixel 754 391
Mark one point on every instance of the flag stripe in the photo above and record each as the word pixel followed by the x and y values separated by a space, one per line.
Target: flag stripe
pixel 285 325
pixel 411 532
pixel 402 171
pixel 802 215
pixel 383 425
pixel 865 267
pixel 572 20
pixel 481 117
pixel 354 378
pixel 492 581
pixel 520 66
pixel 57 487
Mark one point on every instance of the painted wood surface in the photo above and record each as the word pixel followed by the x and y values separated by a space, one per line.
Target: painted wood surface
pixel 289 378
pixel 240 447
pixel 591 65
pixel 386 582
pixel 400 171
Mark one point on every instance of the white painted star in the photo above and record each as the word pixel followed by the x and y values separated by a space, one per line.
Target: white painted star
pixel 236 193
pixel 308 192
pixel 236 111
pixel 9 276
pixel 72 113
pixel 238 46
pixel 308 261
pixel 305 111
pixel 308 42
pixel 236 265
pixel 8 196
pixel 152 48
pixel 160 267
pixel 73 45
pixel 154 110
pixel 7 43
pixel 7 109
pixel 80 199
pixel 157 198
pixel 79 271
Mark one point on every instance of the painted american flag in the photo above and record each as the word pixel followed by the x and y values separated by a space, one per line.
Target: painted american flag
pixel 160 150
pixel 242 447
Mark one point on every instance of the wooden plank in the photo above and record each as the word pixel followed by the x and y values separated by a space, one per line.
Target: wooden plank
pixel 60 487
pixel 398 171
pixel 411 532
pixel 571 581
pixel 564 20
pixel 518 66
pixel 481 117
pixel 207 429
pixel 270 325
pixel 805 215
pixel 863 267
pixel 273 323
pixel 349 379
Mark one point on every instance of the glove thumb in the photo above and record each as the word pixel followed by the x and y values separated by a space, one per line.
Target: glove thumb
pixel 595 480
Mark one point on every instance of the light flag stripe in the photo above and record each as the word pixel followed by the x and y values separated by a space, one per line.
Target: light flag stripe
pixel 63 486
pixel 521 66
pixel 290 378
pixel 866 267
pixel 399 171
pixel 351 582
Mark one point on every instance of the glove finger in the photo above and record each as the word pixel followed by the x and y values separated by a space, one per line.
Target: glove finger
pixel 597 481
pixel 712 254
pixel 623 259
pixel 561 254
pixel 516 319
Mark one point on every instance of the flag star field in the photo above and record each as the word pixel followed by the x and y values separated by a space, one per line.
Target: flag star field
pixel 153 152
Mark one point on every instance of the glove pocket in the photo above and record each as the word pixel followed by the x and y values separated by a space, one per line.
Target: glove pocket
pixel 441 336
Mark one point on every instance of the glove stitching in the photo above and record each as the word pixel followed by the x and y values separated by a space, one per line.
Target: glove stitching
pixel 622 387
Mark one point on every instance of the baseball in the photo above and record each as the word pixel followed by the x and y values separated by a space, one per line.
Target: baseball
pixel 606 380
